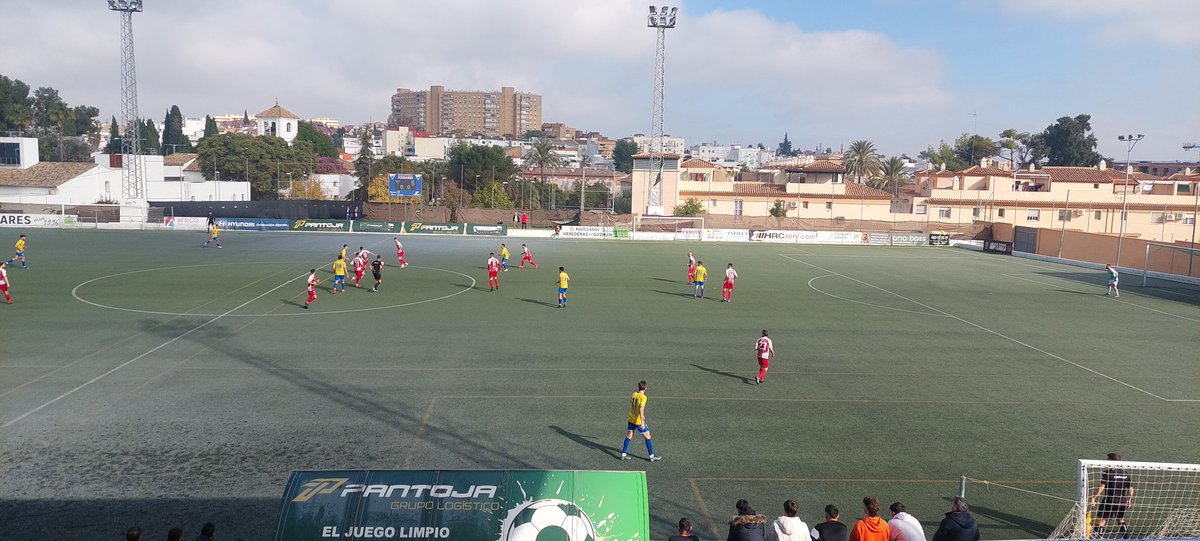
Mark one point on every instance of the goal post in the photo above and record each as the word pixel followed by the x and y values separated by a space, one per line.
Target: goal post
pixel 1169 259
pixel 668 227
pixel 1165 501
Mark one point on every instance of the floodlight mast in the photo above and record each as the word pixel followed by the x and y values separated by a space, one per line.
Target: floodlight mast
pixel 1130 142
pixel 132 181
pixel 660 20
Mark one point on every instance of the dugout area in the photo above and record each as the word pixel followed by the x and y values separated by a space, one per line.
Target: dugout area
pixel 147 380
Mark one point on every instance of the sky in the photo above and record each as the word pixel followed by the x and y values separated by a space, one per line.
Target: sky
pixel 904 74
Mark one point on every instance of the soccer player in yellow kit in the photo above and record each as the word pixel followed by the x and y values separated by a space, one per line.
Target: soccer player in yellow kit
pixel 637 423
pixel 563 282
pixel 19 249
pixel 214 234
pixel 701 276
pixel 504 257
pixel 339 273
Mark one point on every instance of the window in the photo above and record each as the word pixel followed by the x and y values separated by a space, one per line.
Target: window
pixel 1064 215
pixel 1184 188
pixel 975 212
pixel 10 154
pixel 1000 212
pixel 1189 219
pixel 829 205
pixel 288 127
pixel 737 207
pixel 804 204
pixel 1158 217
pixel 1033 215
pixel 1097 215
pixel 1095 186
pixel 107 187
pixel 919 209
pixel 943 212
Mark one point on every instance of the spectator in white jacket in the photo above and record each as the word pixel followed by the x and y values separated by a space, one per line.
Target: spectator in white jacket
pixel 903 526
pixel 789 527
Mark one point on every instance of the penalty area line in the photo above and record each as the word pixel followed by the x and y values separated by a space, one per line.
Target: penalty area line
pixel 144 355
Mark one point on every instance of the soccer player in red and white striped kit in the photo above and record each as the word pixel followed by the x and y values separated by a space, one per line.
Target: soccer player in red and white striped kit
pixel 763 349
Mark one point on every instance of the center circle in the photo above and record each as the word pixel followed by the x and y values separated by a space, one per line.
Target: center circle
pixel 78 297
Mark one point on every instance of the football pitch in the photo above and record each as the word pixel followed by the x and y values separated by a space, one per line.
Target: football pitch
pixel 146 380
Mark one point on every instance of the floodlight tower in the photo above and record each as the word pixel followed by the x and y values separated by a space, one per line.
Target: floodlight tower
pixel 132 182
pixel 660 20
pixel 1130 142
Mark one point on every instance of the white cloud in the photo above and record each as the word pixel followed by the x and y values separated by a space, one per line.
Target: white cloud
pixel 1167 22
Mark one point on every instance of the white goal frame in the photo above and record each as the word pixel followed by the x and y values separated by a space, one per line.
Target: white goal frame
pixel 1179 521
pixel 672 227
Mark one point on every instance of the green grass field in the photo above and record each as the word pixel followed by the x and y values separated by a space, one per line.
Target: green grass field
pixel 148 381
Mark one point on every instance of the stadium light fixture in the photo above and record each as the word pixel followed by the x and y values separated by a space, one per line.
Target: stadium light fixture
pixel 1130 142
pixel 130 6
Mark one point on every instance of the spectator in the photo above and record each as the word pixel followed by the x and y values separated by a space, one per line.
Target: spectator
pixel 903 526
pixel 134 533
pixel 176 534
pixel 207 531
pixel 685 531
pixel 958 525
pixel 871 527
pixel 789 527
pixel 524 220
pixel 746 525
pixel 832 529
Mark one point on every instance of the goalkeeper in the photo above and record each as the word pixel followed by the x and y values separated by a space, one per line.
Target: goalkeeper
pixel 1115 495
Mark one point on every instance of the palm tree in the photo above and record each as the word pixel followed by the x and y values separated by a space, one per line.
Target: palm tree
pixel 541 154
pixel 891 176
pixel 861 160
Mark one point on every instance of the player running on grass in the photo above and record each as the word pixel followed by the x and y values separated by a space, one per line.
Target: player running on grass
pixel 700 274
pixel 360 266
pixel 312 287
pixel 564 281
pixel 493 268
pixel 637 423
pixel 377 272
pixel 214 234
pixel 4 281
pixel 19 252
pixel 343 252
pixel 727 289
pixel 339 273
pixel 691 268
pixel 1113 278
pixel 763 349
pixel 400 253
pixel 526 256
pixel 504 257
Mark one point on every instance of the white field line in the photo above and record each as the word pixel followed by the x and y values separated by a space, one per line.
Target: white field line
pixel 997 334
pixel 1022 277
pixel 143 355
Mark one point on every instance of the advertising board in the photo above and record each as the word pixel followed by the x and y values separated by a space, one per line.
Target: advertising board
pixel 367 226
pixel 38 220
pixel 319 225
pixel 586 232
pixel 939 239
pixel 909 239
pixel 436 228
pixel 404 185
pixel 498 505
pixel 727 235
pixel 998 247
pixel 188 223
pixel 493 230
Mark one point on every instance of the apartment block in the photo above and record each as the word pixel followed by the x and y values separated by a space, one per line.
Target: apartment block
pixel 441 111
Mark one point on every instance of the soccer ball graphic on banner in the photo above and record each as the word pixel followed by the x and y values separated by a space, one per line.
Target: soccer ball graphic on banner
pixel 548 520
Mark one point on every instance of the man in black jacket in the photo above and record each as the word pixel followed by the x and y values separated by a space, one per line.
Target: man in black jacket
pixel 958 525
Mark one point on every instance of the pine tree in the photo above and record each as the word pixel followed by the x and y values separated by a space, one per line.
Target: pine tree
pixel 114 138
pixel 210 126
pixel 245 117
pixel 149 138
pixel 173 139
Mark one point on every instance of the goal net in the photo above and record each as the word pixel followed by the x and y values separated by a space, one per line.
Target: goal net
pixel 1170 260
pixel 668 227
pixel 1156 500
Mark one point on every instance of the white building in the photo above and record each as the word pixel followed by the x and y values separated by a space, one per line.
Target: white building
pixel 671 145
pixel 193 128
pixel 732 155
pixel 26 179
pixel 279 122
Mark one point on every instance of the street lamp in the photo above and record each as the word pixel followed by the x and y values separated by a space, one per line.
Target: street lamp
pixel 1130 142
pixel 1195 187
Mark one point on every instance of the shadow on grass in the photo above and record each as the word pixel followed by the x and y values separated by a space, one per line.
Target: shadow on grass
pixel 743 379
pixel 292 302
pixel 465 286
pixel 674 293
pixel 535 301
pixel 1008 521
pixel 1156 288
pixel 587 441
pixel 669 281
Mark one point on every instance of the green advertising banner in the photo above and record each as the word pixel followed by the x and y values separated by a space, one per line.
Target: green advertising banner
pixel 499 230
pixel 366 226
pixel 501 505
pixel 319 225
pixel 424 227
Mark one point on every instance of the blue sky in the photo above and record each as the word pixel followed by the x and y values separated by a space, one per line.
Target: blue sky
pixel 903 74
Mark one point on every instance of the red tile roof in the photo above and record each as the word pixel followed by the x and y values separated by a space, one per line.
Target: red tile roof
pixel 697 163
pixel 1090 175
pixel 277 112
pixel 854 189
pixel 179 158
pixel 935 173
pixel 823 166
pixel 979 171
pixel 647 155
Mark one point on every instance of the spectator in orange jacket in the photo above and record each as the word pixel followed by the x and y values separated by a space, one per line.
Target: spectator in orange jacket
pixel 871 527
